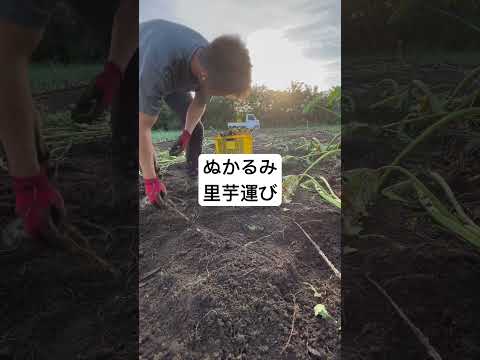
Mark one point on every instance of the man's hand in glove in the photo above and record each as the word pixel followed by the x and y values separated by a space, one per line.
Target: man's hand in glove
pixel 99 95
pixel 181 144
pixel 38 204
pixel 155 190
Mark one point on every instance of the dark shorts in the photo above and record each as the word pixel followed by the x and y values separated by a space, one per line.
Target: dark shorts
pixel 29 13
pixel 36 13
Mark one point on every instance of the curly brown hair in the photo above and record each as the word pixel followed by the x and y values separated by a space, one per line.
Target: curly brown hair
pixel 228 66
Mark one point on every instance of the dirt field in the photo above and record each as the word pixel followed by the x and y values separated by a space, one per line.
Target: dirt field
pixel 54 305
pixel 231 283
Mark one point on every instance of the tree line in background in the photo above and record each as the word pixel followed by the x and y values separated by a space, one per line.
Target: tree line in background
pixel 299 105
pixel 77 35
pixel 379 25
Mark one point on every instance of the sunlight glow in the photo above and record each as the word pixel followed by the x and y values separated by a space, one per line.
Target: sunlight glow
pixel 277 61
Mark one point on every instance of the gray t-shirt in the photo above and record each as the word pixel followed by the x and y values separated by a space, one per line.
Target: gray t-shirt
pixel 166 50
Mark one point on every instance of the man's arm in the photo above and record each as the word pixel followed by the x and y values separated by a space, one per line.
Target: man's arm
pixel 195 111
pixel 146 151
pixel 154 188
pixel 194 115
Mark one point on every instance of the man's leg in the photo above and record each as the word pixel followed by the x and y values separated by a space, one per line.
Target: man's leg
pixel 125 136
pixel 194 148
pixel 179 102
pixel 124 40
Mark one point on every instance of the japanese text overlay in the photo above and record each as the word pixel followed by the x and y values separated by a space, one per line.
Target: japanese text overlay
pixel 240 180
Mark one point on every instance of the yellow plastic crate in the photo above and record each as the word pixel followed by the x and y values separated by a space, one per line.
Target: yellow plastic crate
pixel 234 144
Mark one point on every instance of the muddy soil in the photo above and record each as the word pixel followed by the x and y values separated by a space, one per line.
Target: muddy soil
pixel 231 282
pixel 431 274
pixel 55 305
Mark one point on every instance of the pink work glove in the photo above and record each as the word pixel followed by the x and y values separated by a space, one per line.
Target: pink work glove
pixel 99 95
pixel 155 190
pixel 38 204
pixel 181 143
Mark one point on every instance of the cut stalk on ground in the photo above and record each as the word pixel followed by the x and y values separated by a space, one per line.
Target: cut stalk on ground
pixel 320 252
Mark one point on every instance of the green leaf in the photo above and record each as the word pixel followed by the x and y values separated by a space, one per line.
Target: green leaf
pixel 321 310
pixel 457 222
pixel 354 130
pixel 290 185
pixel 360 189
pixel 434 102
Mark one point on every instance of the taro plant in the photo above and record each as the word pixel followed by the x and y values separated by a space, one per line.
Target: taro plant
pixel 435 113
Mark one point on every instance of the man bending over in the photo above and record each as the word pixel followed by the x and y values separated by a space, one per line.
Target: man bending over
pixel 174 62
